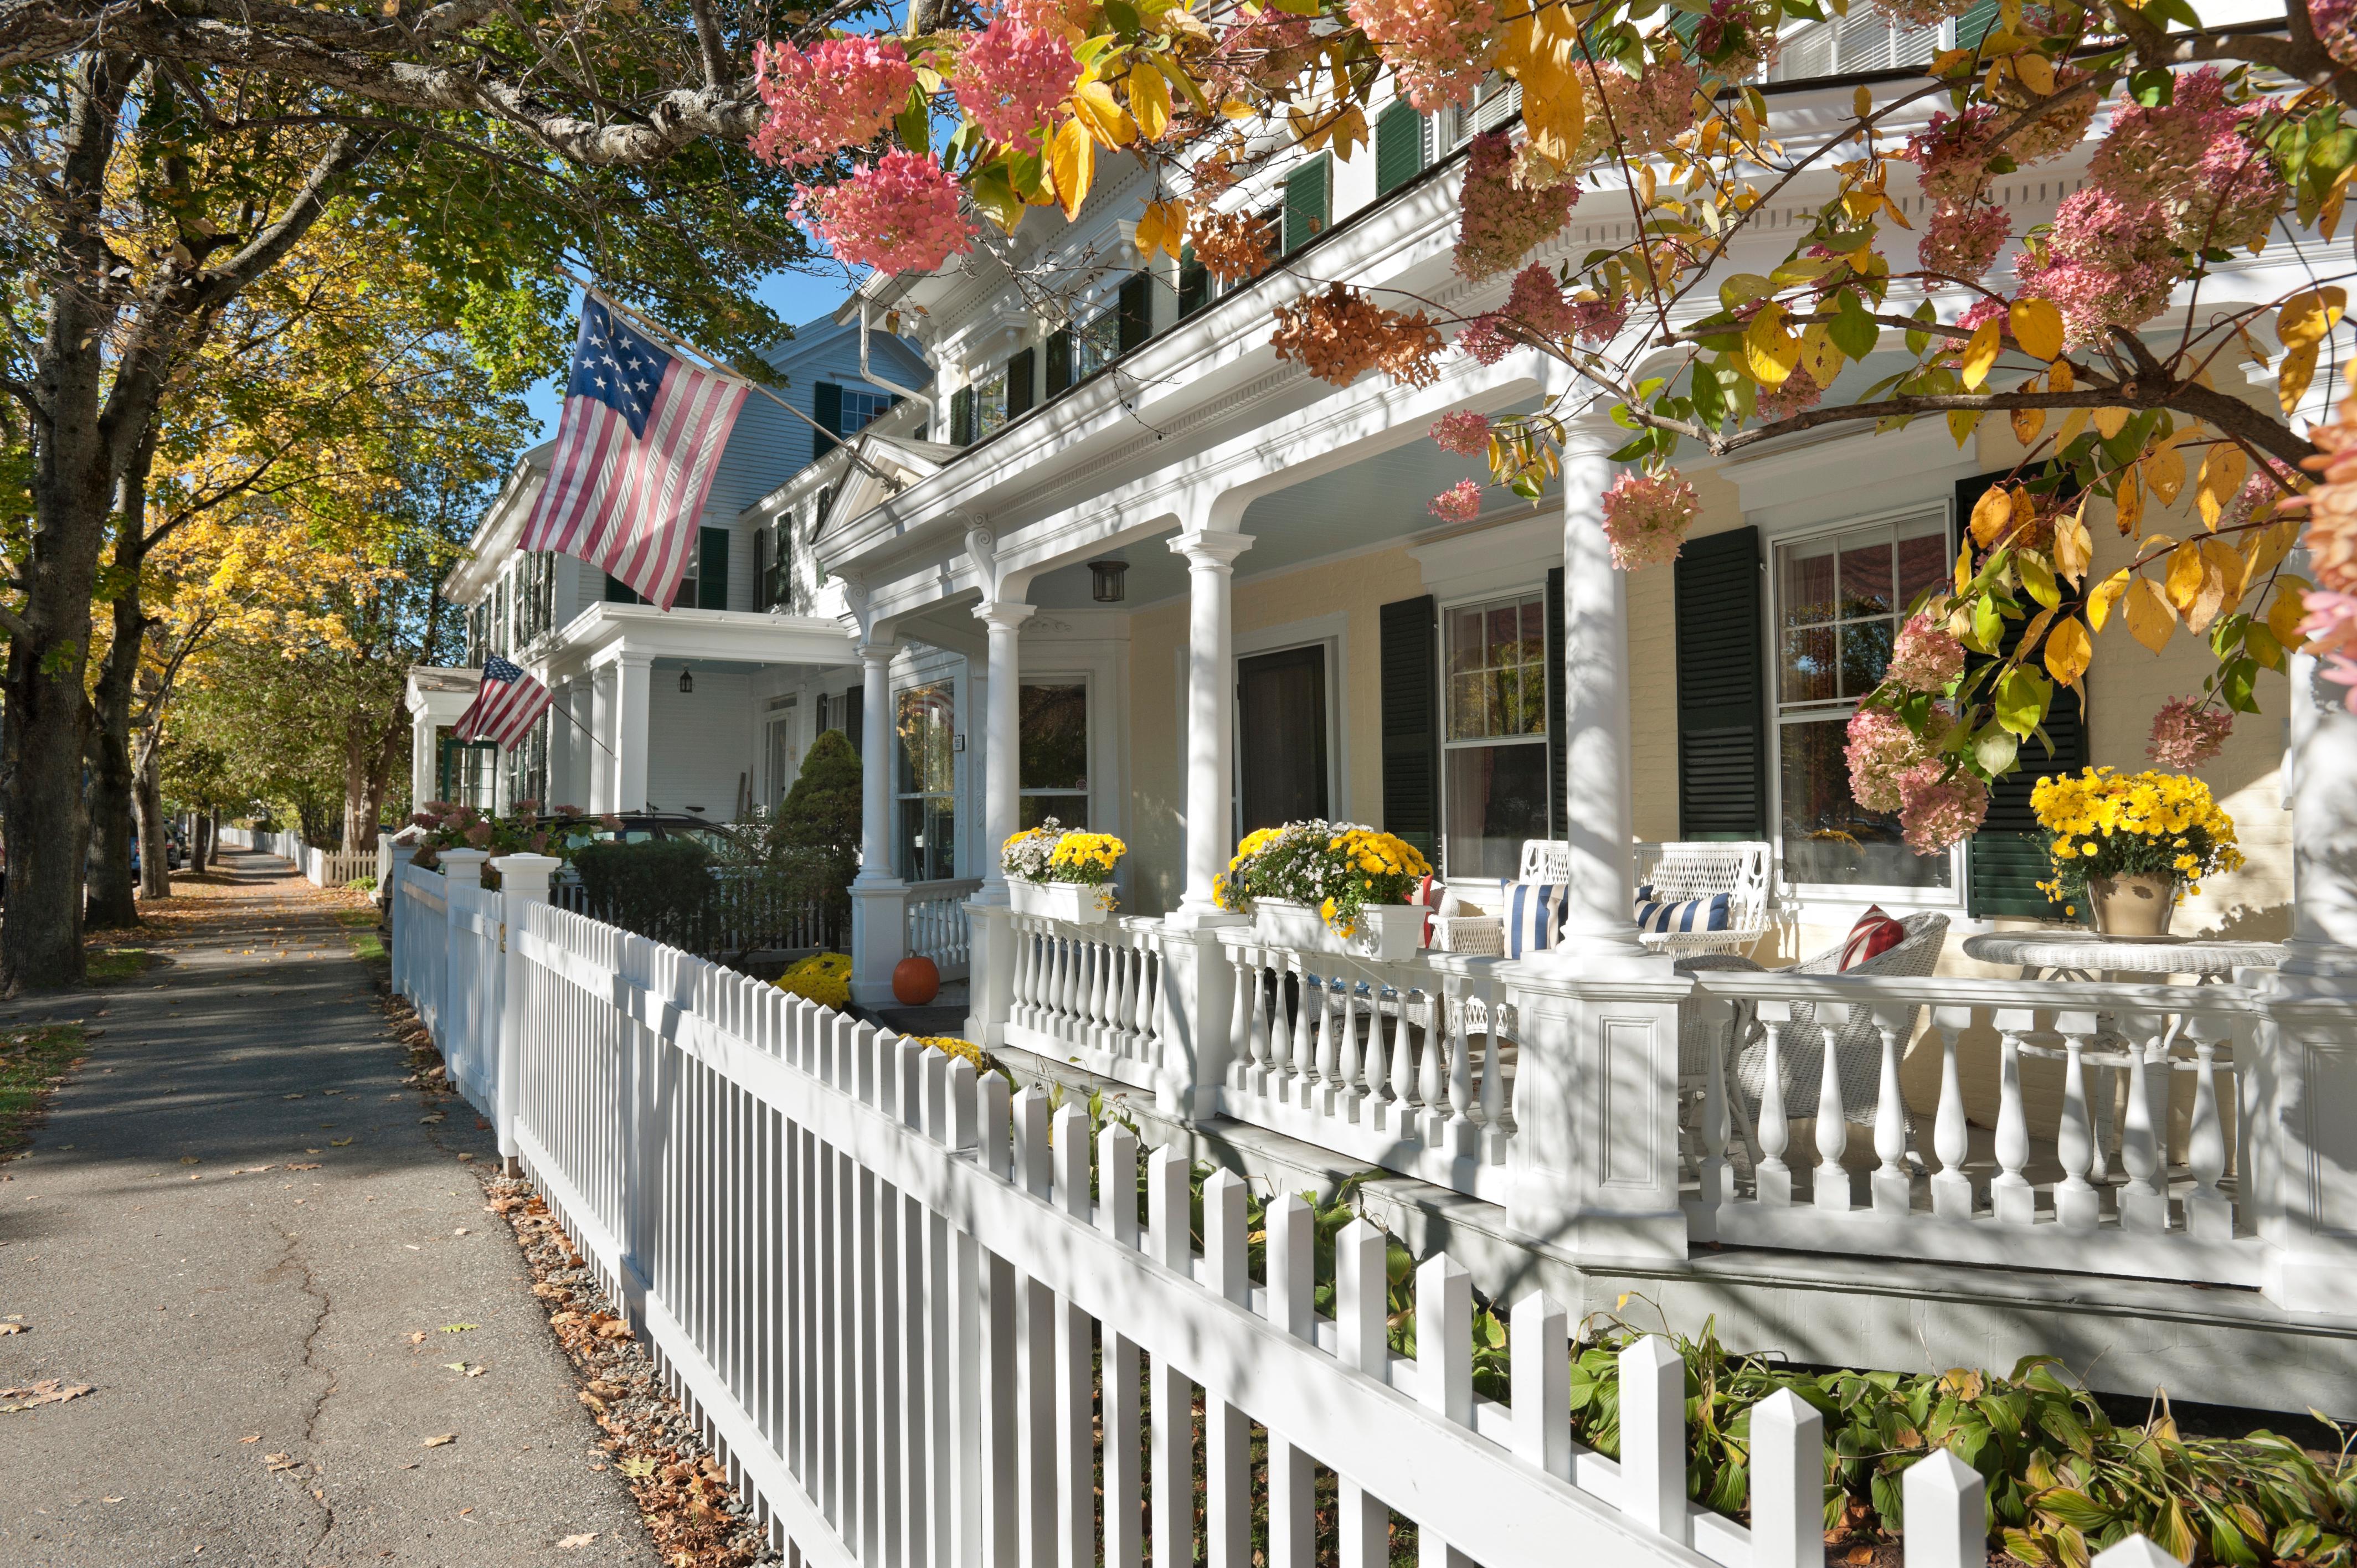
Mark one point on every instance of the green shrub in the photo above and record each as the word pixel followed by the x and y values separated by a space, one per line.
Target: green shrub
pixel 362 884
pixel 661 889
pixel 810 850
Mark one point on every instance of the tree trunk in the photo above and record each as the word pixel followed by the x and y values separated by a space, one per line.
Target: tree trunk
pixel 147 795
pixel 200 841
pixel 113 901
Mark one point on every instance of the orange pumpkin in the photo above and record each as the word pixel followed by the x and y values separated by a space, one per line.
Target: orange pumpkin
pixel 916 980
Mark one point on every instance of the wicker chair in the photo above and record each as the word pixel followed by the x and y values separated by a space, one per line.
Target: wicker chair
pixel 1857 1046
pixel 1674 873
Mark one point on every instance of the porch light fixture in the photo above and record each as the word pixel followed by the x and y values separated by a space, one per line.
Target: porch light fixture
pixel 686 682
pixel 1106 581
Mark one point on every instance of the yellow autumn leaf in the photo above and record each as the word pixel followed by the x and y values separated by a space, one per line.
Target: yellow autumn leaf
pixel 2220 477
pixel 1981 352
pixel 1992 515
pixel 2026 423
pixel 2061 377
pixel 2186 569
pixel 2227 562
pixel 2164 471
pixel 2307 317
pixel 2127 505
pixel 2266 549
pixel 1093 105
pixel 1555 103
pixel 2074 552
pixel 1964 568
pixel 1150 103
pixel 1769 351
pixel 2291 380
pixel 2151 620
pixel 2289 610
pixel 1962 422
pixel 1163 228
pixel 2037 73
pixel 2110 422
pixel 1819 356
pixel 2107 594
pixel 1861 103
pixel 2037 327
pixel 2069 651
pixel 2073 423
pixel 1072 165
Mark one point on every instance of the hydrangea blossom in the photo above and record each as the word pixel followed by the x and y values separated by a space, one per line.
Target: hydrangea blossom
pixel 1488 338
pixel 1438 50
pixel 2061 128
pixel 838 94
pixel 1880 748
pixel 1502 221
pixel 1936 811
pixel 1923 657
pixel 1536 301
pixel 1963 238
pixel 2331 19
pixel 899 215
pixel 1461 502
pixel 1746 38
pixel 1646 517
pixel 2331 623
pixel 1644 113
pixel 2191 161
pixel 1951 153
pixel 2107 264
pixel 1797 393
pixel 1599 321
pixel 1926 13
pixel 1010 77
pixel 2184 735
pixel 1465 432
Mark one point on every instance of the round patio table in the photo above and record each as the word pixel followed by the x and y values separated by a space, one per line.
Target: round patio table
pixel 2090 955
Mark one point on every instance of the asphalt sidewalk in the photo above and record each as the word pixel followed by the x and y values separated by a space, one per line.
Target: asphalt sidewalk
pixel 235 1227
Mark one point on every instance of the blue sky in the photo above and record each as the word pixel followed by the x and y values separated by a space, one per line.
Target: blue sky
pixel 796 297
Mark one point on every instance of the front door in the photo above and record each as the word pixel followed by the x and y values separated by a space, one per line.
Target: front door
pixel 1281 737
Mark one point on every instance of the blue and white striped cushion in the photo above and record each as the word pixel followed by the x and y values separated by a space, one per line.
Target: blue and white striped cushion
pixel 1535 917
pixel 1693 915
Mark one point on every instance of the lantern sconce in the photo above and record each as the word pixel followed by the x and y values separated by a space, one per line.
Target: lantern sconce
pixel 1107 583
pixel 686 682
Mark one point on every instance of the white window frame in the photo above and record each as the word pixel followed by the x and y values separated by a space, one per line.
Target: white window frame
pixel 1546 707
pixel 1087 684
pixel 1950 897
pixel 1331 632
pixel 953 689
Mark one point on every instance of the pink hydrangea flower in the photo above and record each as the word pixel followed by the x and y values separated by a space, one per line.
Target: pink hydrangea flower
pixel 1501 221
pixel 1437 49
pixel 1963 238
pixel 900 215
pixel 1798 393
pixel 2189 160
pixel 838 94
pixel 1599 321
pixel 1465 432
pixel 1951 153
pixel 1936 812
pixel 1645 114
pixel 1536 301
pixel 1923 657
pixel 1487 338
pixel 1461 502
pixel 1880 748
pixel 1733 27
pixel 1011 76
pixel 1646 517
pixel 2107 264
pixel 2331 19
pixel 2184 735
pixel 2330 623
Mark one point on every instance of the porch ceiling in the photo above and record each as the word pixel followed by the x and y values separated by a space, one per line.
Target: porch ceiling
pixel 1380 499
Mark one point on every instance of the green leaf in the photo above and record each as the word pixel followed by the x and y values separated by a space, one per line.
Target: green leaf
pixel 2023 698
pixel 1995 748
pixel 1853 328
pixel 2038 577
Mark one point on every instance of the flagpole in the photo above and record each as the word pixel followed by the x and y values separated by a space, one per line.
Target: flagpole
pixel 710 363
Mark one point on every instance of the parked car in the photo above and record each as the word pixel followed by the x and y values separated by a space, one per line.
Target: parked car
pixel 642 827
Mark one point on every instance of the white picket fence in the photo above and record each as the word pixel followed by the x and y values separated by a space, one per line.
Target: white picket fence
pixel 922 1322
pixel 320 867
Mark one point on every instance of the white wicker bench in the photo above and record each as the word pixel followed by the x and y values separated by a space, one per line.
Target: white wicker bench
pixel 1481 933
pixel 1679 872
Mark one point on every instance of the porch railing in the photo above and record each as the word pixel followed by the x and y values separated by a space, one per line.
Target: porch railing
pixel 939 928
pixel 1091 995
pixel 1832 1158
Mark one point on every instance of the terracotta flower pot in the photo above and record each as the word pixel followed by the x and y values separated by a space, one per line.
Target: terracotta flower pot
pixel 916 980
pixel 2137 906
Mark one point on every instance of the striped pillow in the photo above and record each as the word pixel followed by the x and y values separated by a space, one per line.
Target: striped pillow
pixel 1691 915
pixel 1535 912
pixel 1428 892
pixel 1875 934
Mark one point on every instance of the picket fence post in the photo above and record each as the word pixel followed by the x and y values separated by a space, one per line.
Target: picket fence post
pixel 523 882
pixel 460 868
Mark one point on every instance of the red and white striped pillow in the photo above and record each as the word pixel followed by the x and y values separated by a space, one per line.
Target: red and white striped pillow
pixel 1876 933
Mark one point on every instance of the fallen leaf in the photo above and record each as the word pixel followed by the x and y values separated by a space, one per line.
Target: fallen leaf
pixel 280 1461
pixel 290 1097
pixel 338 1142
pixel 190 1160
pixel 460 1231
pixel 255 1438
pixel 11 1329
pixel 584 1538
pixel 446 1437
pixel 458 1328
pixel 312 1167
pixel 49 1390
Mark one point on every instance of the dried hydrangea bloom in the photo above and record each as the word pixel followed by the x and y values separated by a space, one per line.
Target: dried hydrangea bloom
pixel 2107 264
pixel 1010 77
pixel 1465 432
pixel 1962 239
pixel 838 94
pixel 1461 502
pixel 899 215
pixel 1880 748
pixel 1438 50
pixel 2184 735
pixel 1923 657
pixel 1937 812
pixel 1646 517
pixel 1340 334
pixel 1501 221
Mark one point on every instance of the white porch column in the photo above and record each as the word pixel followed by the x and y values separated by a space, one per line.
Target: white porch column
pixel 424 754
pixel 1595 679
pixel 1002 741
pixel 1211 715
pixel 600 702
pixel 581 777
pixel 560 747
pixel 880 934
pixel 633 692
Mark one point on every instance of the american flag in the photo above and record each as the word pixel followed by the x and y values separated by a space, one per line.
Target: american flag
pixel 636 449
pixel 506 706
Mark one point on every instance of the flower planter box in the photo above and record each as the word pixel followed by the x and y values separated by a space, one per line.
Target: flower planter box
pixel 1076 902
pixel 1387 933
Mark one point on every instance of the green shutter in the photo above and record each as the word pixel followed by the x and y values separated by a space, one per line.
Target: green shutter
pixel 761 599
pixel 712 569
pixel 1399 146
pixel 1136 305
pixel 1975 24
pixel 827 400
pixel 1307 199
pixel 1059 360
pixel 1194 283
pixel 962 417
pixel 1411 722
pixel 2005 860
pixel 1559 745
pixel 618 592
pixel 855 718
pixel 1022 371
pixel 1722 689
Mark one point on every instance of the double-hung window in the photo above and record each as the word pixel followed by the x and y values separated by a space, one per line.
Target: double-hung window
pixel 1840 595
pixel 1495 765
pixel 926 777
pixel 1055 757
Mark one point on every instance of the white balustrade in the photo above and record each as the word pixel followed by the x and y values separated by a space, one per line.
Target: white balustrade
pixel 2062 1184
pixel 937 926
pixel 1407 1065
pixel 1089 994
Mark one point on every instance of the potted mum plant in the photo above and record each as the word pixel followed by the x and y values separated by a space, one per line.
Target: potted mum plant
pixel 2128 847
pixel 1060 875
pixel 1324 886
